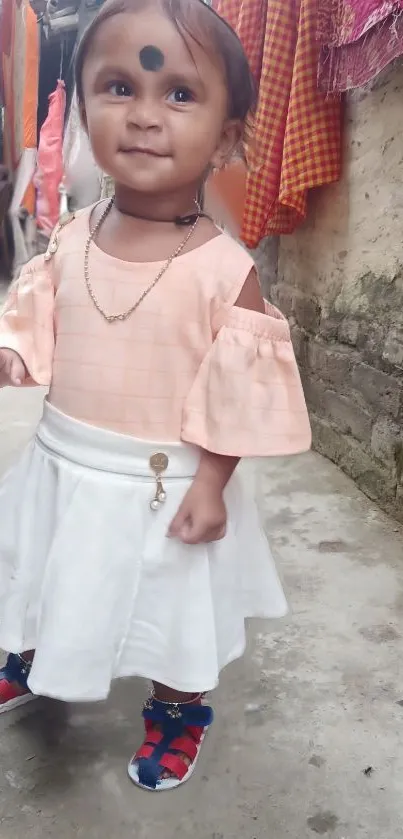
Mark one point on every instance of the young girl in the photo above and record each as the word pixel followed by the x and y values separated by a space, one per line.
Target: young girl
pixel 126 546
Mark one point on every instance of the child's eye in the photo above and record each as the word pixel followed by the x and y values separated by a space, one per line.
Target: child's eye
pixel 181 96
pixel 119 89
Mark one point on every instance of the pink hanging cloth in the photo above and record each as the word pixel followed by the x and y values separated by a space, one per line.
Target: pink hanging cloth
pixel 49 172
pixel 358 39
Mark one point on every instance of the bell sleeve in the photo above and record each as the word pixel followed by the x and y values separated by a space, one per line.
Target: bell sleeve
pixel 27 320
pixel 247 399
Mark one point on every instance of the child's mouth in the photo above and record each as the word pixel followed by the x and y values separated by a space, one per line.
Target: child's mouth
pixel 143 151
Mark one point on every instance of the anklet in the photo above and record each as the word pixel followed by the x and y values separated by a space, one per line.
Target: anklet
pixel 173 708
pixel 26 665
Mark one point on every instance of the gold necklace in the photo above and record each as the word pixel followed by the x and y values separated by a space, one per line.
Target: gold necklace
pixel 161 272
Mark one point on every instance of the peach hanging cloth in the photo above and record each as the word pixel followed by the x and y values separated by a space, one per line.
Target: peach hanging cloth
pixel 296 143
pixel 49 173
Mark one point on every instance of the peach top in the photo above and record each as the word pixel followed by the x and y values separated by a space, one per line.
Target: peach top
pixel 187 365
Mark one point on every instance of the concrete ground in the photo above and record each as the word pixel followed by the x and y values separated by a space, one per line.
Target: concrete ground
pixel 308 734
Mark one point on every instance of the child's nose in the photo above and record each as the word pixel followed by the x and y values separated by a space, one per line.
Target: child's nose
pixel 144 113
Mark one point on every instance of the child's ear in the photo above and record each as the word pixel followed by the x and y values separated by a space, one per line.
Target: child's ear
pixel 83 116
pixel 229 141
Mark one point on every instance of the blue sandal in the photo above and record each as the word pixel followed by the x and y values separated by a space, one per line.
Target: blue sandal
pixel 172 730
pixel 15 672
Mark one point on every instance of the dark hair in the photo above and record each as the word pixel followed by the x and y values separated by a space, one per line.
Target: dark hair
pixel 199 21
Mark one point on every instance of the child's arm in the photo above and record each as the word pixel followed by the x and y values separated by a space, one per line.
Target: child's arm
pixel 246 401
pixel 26 327
pixel 202 516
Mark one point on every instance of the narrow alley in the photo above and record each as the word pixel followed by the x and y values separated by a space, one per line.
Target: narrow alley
pixel 308 724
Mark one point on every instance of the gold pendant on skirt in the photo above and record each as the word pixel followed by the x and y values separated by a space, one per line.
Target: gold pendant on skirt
pixel 158 464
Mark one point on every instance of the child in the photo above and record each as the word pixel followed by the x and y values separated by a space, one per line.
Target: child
pixel 126 546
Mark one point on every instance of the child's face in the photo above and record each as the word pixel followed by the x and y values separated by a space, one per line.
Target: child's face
pixel 156 117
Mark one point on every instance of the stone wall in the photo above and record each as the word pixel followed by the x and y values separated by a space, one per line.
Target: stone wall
pixel 340 280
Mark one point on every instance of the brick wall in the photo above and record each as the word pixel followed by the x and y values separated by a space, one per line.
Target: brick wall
pixel 340 280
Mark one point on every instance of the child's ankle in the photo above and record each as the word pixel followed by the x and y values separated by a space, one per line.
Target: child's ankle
pixel 165 694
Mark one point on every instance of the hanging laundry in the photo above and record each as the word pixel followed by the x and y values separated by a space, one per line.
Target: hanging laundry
pixel 49 173
pixel 359 38
pixel 296 143
pixel 19 59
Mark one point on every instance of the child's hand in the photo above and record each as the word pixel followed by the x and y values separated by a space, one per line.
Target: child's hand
pixel 12 369
pixel 202 516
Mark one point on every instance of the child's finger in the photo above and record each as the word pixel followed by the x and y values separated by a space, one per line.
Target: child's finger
pixel 17 371
pixel 178 523
pixel 221 533
pixel 193 533
pixel 188 534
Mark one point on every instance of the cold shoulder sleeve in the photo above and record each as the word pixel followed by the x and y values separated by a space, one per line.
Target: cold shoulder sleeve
pixel 26 321
pixel 247 398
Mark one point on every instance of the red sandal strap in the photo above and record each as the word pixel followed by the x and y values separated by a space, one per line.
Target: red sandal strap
pixel 175 765
pixel 186 745
pixel 144 751
pixel 8 691
pixel 154 737
pixel 196 732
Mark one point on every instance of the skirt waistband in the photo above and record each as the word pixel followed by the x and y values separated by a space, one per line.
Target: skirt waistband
pixel 98 448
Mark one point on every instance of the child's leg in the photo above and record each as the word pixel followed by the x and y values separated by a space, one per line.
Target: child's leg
pixel 166 694
pixel 176 724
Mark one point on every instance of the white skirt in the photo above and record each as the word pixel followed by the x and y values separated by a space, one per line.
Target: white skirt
pixel 89 579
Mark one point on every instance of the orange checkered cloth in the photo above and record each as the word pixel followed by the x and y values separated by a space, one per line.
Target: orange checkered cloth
pixel 297 134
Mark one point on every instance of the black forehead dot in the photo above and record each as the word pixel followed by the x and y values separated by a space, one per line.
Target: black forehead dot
pixel 151 58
